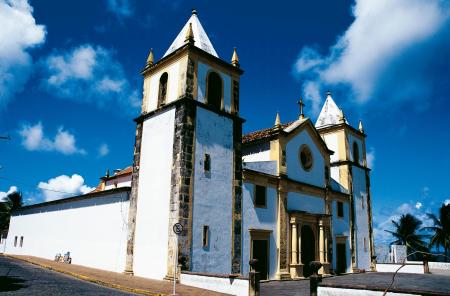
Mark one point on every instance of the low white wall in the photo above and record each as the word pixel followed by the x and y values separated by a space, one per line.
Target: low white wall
pixel 237 287
pixel 93 229
pixel 439 265
pixel 392 267
pixel 328 291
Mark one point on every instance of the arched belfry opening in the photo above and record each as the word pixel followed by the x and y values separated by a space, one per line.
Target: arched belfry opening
pixel 355 152
pixel 214 90
pixel 162 93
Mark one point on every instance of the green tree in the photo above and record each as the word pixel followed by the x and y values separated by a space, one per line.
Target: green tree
pixel 12 202
pixel 440 236
pixel 407 233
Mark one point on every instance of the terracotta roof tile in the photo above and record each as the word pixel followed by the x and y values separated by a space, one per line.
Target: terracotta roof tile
pixel 125 171
pixel 264 133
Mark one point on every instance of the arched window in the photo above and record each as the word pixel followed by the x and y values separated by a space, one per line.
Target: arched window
pixel 162 93
pixel 355 152
pixel 214 90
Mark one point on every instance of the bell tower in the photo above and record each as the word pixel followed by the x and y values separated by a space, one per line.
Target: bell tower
pixel 187 161
pixel 349 169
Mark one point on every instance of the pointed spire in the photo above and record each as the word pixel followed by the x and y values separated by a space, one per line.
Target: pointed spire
pixel 330 113
pixel 277 120
pixel 360 126
pixel 235 59
pixel 107 173
pixel 341 116
pixel 200 39
pixel 194 11
pixel 150 58
pixel 189 34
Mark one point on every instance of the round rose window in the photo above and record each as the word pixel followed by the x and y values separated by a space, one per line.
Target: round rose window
pixel 306 159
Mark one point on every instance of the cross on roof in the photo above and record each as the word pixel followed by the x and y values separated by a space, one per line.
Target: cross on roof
pixel 301 105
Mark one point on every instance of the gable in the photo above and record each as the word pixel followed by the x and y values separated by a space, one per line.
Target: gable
pixel 305 141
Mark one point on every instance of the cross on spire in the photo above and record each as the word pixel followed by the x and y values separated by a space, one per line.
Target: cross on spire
pixel 301 105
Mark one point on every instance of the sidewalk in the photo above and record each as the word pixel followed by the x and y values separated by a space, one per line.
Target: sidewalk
pixel 115 280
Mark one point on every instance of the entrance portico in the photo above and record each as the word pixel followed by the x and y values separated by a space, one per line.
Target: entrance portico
pixel 309 241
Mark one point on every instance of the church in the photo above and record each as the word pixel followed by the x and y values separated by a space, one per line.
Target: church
pixel 286 195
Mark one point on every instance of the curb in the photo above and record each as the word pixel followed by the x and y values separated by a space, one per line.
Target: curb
pixel 87 278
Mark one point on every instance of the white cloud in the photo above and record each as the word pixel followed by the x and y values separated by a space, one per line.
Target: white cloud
pixel 3 194
pixel 89 73
pixel 381 53
pixel 121 8
pixel 103 150
pixel 33 139
pixel 418 205
pixel 447 201
pixel 370 157
pixel 64 186
pixel 19 33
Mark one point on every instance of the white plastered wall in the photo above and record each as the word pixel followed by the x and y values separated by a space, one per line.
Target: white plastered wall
pixel 152 217
pixel 316 175
pixel 341 228
pixel 202 72
pixel 122 181
pixel 361 219
pixel 93 230
pixel 213 193
pixel 257 152
pixel 308 203
pixel 261 219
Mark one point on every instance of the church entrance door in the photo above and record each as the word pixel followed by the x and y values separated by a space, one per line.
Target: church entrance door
pixel 341 260
pixel 308 249
pixel 260 249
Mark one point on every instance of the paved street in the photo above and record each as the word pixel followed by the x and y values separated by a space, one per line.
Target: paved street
pixel 19 278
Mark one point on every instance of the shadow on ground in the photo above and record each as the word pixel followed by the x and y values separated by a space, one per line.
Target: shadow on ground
pixel 11 283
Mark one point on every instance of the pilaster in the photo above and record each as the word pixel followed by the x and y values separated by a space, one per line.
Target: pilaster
pixel 282 241
pixel 180 209
pixel 133 200
pixel 237 199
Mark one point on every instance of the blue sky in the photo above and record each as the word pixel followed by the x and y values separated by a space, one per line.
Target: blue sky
pixel 70 84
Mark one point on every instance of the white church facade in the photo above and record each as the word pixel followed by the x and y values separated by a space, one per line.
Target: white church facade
pixel 286 195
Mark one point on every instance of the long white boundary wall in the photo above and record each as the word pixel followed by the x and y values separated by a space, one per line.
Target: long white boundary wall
pixel 231 286
pixel 92 229
pixel 327 291
pixel 392 267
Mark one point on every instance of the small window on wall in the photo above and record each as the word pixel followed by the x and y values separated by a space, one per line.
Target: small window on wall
pixel 162 93
pixel 214 90
pixel 205 236
pixel 21 241
pixel 305 156
pixel 340 209
pixel 15 241
pixel 355 152
pixel 260 196
pixel 362 201
pixel 365 245
pixel 207 163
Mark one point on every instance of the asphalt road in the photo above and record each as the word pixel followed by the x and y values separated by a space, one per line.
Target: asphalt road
pixel 20 278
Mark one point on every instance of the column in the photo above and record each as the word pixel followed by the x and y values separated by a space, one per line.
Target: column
pixel 299 244
pixel 321 242
pixel 294 243
pixel 326 245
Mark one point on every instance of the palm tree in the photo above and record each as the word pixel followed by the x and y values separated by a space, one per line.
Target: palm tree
pixel 441 229
pixel 13 201
pixel 406 233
